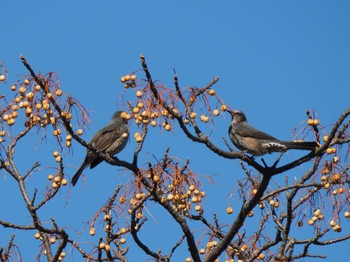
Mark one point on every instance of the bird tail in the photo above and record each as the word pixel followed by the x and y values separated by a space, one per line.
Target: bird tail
pixel 301 145
pixel 79 172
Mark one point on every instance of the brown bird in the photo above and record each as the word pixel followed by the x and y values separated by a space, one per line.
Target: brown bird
pixel 110 140
pixel 255 142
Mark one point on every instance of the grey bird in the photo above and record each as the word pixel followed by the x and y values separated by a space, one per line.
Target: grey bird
pixel 255 142
pixel 110 140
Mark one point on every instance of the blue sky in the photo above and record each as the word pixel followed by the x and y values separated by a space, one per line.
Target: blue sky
pixel 275 59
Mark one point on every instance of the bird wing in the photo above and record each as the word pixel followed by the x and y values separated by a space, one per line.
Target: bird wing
pixel 249 131
pixel 103 139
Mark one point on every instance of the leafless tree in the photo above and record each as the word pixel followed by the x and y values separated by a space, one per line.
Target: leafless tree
pixel 322 190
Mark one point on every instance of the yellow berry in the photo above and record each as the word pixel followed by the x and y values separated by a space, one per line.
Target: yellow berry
pixel 14 114
pixel 332 223
pixel 204 118
pixel 26 82
pixel 138 196
pixel 79 132
pixel 107 228
pixel 50 177
pixel 5 117
pixel 244 247
pixel 139 139
pixel 310 122
pixel 216 112
pixel 28 111
pixel 122 240
pixel 337 228
pixel 46 106
pixel 2 77
pixel 37 235
pixel 58 92
pixel 102 245
pixel 123 79
pixel 22 89
pixel 198 208
pixel 92 231
pixel 57 179
pixel 317 212
pixel 55 185
pixel 140 105
pixel 193 115
pixel 261 256
pixel 170 197
pixel 11 121
pixel 64 182
pixel 139 94
pixel 229 210
pixel 133 77
pixel 13 88
pixel 57 132
pixel 53 240
pixel 329 151
pixel 211 92
pixel 223 107
pixel 37 87
pixel 311 222
pixel 122 199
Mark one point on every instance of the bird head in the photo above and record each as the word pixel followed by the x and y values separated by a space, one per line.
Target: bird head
pixel 237 116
